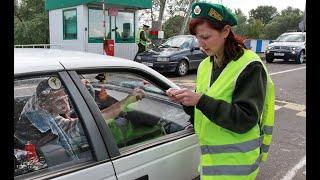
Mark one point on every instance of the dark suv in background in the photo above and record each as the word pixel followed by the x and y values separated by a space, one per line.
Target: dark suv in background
pixel 288 46
pixel 178 54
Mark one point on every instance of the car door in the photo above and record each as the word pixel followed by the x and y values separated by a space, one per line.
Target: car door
pixel 154 137
pixel 196 54
pixel 51 159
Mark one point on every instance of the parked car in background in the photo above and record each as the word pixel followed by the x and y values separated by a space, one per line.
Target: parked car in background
pixel 288 46
pixel 178 54
pixel 159 143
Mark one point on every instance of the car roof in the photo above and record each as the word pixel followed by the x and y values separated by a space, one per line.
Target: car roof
pixel 295 33
pixel 29 60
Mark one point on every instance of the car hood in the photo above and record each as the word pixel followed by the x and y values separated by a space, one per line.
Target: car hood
pixel 164 52
pixel 290 44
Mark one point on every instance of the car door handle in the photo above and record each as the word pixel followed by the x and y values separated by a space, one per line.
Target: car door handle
pixel 145 177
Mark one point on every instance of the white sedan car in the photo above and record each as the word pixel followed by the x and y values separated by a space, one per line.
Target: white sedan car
pixel 151 139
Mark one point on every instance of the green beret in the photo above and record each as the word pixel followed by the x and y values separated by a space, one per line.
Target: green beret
pixel 213 12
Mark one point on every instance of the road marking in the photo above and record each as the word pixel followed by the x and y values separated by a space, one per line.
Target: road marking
pixel 287 71
pixel 302 114
pixel 297 107
pixel 277 107
pixel 290 174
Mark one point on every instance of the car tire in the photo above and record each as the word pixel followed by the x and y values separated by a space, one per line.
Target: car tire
pixel 269 60
pixel 182 68
pixel 299 59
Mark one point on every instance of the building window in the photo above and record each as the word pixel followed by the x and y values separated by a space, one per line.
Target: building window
pixel 124 27
pixel 96 29
pixel 70 24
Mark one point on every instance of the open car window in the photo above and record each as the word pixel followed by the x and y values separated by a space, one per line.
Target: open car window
pixel 138 121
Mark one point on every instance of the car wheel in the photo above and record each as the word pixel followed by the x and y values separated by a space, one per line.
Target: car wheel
pixel 182 68
pixel 269 60
pixel 300 58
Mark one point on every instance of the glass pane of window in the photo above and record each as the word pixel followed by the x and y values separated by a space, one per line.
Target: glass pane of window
pixel 70 24
pixel 47 131
pixel 134 109
pixel 124 27
pixel 96 28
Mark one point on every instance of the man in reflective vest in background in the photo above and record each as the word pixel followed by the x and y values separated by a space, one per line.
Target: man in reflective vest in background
pixel 142 39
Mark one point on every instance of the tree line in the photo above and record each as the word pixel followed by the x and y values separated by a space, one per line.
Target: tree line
pixel 264 22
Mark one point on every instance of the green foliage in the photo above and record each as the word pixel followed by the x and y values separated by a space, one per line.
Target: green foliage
pixel 172 26
pixel 255 30
pixel 288 20
pixel 31 22
pixel 263 13
pixel 278 23
pixel 242 28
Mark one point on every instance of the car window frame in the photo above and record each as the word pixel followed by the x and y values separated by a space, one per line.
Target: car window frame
pixel 98 149
pixel 148 76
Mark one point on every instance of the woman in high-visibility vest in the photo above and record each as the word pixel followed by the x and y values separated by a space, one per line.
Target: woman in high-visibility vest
pixel 232 108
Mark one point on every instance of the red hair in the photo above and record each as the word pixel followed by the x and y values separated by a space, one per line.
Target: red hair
pixel 234 44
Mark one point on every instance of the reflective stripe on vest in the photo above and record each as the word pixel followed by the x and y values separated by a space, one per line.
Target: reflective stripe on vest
pixel 139 40
pixel 267 129
pixel 232 148
pixel 231 169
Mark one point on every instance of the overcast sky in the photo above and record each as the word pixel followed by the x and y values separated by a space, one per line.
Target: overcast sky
pixel 247 5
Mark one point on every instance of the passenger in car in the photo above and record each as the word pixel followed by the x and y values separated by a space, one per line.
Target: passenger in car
pixel 125 124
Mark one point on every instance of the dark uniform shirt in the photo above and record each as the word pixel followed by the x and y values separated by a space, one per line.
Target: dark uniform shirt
pixel 247 100
pixel 143 36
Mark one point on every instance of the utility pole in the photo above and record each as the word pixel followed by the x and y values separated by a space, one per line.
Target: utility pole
pixel 104 20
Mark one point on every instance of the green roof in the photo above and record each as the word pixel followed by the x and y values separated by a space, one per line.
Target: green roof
pixel 135 4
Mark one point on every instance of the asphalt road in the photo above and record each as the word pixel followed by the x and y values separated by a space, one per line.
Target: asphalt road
pixel 288 149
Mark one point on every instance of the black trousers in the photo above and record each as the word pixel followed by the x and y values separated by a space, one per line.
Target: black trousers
pixel 141 47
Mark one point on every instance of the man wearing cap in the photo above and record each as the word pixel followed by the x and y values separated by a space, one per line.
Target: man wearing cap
pixel 232 108
pixel 46 116
pixel 142 39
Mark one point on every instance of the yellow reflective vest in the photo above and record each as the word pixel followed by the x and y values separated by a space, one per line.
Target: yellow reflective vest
pixel 138 40
pixel 226 154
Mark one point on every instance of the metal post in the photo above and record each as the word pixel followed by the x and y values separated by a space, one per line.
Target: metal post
pixel 104 20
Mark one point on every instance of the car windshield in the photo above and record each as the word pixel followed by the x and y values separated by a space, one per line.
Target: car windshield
pixel 291 38
pixel 178 42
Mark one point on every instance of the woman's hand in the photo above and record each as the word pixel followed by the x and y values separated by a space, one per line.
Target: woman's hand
pixel 183 96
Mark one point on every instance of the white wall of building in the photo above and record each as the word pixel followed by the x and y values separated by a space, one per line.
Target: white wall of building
pixel 56 28
pixel 124 50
